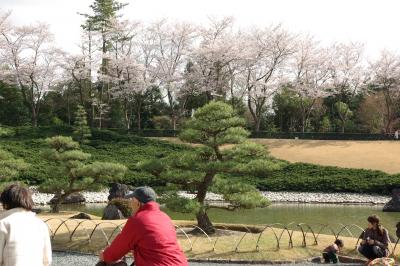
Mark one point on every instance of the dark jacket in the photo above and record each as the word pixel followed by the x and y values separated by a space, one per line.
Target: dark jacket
pixel 152 237
pixel 380 240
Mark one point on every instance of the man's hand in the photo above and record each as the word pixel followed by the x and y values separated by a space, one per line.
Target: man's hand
pixel 363 242
pixel 101 255
pixel 371 241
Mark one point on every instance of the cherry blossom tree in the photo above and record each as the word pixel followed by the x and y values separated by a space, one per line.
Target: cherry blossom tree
pixel 216 51
pixel 311 68
pixel 348 75
pixel 174 43
pixel 32 63
pixel 267 53
pixel 4 26
pixel 347 68
pixel 132 68
pixel 386 78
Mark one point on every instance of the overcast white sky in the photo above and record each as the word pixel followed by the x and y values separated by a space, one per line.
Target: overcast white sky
pixel 373 22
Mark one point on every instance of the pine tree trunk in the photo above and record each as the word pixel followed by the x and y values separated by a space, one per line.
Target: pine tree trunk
pixel 202 218
pixel 58 200
pixel 204 222
pixel 55 207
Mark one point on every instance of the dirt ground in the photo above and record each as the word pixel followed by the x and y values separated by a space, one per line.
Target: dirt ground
pixel 375 155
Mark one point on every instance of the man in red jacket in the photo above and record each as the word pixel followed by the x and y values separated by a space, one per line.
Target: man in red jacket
pixel 149 233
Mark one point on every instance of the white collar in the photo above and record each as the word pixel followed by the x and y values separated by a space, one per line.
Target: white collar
pixel 7 213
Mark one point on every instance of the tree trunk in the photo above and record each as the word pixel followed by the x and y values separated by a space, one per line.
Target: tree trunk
pixel 204 222
pixel 55 207
pixel 57 200
pixel 68 110
pixel 173 119
pixel 127 116
pixel 257 125
pixel 202 218
pixel 93 119
pixel 34 117
pixel 138 115
pixel 100 118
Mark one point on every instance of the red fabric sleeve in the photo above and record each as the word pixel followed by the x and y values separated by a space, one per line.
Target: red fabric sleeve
pixel 122 244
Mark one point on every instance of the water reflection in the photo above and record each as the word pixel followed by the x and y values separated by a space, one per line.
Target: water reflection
pixel 281 213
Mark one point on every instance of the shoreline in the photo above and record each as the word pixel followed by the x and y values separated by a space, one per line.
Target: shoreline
pixel 42 199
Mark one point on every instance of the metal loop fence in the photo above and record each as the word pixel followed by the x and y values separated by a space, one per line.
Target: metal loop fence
pixel 94 236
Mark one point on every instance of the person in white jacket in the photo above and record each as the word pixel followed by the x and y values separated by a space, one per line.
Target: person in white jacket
pixel 24 238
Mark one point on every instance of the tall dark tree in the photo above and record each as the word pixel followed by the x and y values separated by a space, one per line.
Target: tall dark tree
pixel 104 12
pixel 81 129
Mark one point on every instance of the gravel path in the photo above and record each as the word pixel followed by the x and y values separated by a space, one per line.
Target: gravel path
pixel 68 259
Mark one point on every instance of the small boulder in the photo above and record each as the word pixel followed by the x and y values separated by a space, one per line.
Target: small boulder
pixel 394 204
pixel 37 210
pixel 118 190
pixel 82 216
pixel 71 199
pixel 111 212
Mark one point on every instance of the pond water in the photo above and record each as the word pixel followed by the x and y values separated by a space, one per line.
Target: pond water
pixel 284 213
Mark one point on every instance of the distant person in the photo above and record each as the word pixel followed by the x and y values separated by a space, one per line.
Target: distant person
pixel 24 238
pixel 149 233
pixel 396 135
pixel 375 240
pixel 330 253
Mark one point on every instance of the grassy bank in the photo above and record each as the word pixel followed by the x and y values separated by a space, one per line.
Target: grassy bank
pixel 109 146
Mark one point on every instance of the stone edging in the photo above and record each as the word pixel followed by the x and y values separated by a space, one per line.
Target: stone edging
pixel 345 259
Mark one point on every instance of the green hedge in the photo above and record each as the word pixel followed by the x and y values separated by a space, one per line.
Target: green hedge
pixel 321 136
pixel 104 146
pixel 308 177
pixel 129 149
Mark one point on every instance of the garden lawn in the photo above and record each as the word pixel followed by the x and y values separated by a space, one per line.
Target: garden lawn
pixel 374 155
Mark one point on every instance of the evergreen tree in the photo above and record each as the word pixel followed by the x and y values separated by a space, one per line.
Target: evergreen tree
pixel 344 113
pixel 212 165
pixel 82 130
pixel 101 21
pixel 10 167
pixel 72 173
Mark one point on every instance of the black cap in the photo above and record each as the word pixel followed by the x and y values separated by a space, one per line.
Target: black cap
pixel 143 194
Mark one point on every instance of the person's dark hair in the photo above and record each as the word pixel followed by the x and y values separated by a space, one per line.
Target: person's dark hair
pixel 339 242
pixel 16 196
pixel 374 219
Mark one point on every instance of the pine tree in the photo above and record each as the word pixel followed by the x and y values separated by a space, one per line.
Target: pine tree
pixel 344 113
pixel 81 129
pixel 213 165
pixel 10 167
pixel 71 171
